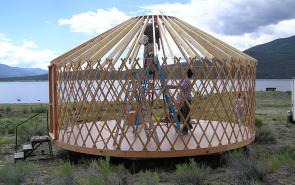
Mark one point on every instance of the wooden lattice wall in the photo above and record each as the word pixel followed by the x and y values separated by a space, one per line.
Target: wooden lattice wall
pixel 90 102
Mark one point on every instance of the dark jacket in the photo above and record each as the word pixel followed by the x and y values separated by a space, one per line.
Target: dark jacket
pixel 149 32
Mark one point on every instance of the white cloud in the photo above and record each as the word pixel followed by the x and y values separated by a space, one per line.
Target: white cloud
pixel 264 34
pixel 242 23
pixel 94 22
pixel 26 55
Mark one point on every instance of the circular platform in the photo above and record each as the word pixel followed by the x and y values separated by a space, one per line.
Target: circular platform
pixel 206 137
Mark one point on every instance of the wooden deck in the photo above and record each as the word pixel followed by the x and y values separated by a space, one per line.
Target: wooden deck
pixel 100 137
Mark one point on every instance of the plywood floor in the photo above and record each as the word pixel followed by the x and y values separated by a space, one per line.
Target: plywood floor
pixel 102 136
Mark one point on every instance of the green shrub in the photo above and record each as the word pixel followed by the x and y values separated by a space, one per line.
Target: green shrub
pixel 14 174
pixel 287 156
pixel 8 109
pixel 275 163
pixel 35 127
pixel 148 178
pixel 258 121
pixel 237 154
pixel 100 172
pixel 190 173
pixel 245 169
pixel 264 135
pixel 6 140
pixel 39 110
pixel 25 111
pixel 273 160
pixel 66 174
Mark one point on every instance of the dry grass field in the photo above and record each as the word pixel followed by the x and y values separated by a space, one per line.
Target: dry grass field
pixel 270 159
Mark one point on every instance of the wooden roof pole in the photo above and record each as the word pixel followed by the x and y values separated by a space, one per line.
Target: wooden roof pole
pixel 162 45
pixel 163 34
pixel 65 55
pixel 134 32
pixel 125 41
pixel 133 43
pixel 210 37
pixel 215 51
pixel 137 44
pixel 154 36
pixel 133 36
pixel 179 42
pixel 88 45
pixel 101 43
pixel 222 45
pixel 111 43
pixel 190 39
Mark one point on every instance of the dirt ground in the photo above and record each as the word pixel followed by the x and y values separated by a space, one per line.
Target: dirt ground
pixel 271 110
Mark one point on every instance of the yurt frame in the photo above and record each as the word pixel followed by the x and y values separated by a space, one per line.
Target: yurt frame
pixel 103 101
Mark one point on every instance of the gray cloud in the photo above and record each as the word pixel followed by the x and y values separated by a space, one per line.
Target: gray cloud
pixel 249 16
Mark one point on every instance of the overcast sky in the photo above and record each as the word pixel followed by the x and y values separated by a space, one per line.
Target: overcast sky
pixel 34 32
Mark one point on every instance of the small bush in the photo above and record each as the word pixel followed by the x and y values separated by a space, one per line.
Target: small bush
pixel 14 174
pixel 190 173
pixel 8 109
pixel 148 178
pixel 287 156
pixel 275 163
pixel 237 154
pixel 5 141
pixel 273 160
pixel 258 121
pixel 66 174
pixel 38 110
pixel 279 118
pixel 25 111
pixel 264 135
pixel 35 127
pixel 100 172
pixel 245 169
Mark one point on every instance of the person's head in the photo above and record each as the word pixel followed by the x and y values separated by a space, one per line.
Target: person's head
pixel 155 20
pixel 239 95
pixel 189 73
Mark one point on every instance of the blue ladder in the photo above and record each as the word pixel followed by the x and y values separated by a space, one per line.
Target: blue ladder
pixel 167 97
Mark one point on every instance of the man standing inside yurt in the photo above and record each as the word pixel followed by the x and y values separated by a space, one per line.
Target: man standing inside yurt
pixel 148 41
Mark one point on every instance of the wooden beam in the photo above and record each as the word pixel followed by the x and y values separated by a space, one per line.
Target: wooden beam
pixel 233 52
pixel 162 33
pixel 215 51
pixel 87 51
pixel 190 39
pixel 91 41
pixel 124 42
pixel 137 44
pixel 105 47
pixel 182 46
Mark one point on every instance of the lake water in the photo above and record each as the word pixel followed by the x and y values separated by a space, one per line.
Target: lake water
pixel 37 92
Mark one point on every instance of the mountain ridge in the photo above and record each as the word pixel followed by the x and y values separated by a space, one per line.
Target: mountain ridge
pixel 276 59
pixel 7 71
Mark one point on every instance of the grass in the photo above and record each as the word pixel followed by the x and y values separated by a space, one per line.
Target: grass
pixel 14 174
pixel 6 140
pixel 96 172
pixel 190 173
pixel 13 114
pixel 272 155
pixel 148 178
pixel 264 135
pixel 246 169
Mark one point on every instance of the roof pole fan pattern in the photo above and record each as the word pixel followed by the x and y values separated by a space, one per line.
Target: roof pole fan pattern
pixel 108 97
